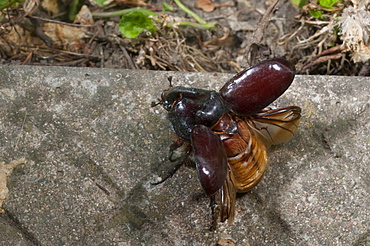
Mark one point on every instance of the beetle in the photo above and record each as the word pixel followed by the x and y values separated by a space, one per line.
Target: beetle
pixel 226 133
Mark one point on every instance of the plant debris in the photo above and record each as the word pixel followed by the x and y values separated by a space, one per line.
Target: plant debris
pixel 5 171
pixel 329 37
pixel 208 6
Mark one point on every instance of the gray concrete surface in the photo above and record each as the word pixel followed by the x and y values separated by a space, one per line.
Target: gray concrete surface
pixel 92 144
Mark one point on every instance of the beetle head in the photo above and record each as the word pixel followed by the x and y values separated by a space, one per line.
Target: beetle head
pixel 188 107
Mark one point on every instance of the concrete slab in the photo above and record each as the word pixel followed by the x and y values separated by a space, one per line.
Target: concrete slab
pixel 92 144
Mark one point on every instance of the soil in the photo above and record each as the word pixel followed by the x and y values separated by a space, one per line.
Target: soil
pixel 246 32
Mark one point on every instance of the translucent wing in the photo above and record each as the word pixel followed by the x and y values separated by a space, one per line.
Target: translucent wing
pixel 275 126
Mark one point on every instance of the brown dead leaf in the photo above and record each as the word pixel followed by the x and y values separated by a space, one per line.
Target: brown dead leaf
pixel 15 40
pixel 30 6
pixel 208 6
pixel 84 17
pixel 5 171
pixel 51 6
pixel 64 35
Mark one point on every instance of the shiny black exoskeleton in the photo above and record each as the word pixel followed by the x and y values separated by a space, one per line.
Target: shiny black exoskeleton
pixel 188 107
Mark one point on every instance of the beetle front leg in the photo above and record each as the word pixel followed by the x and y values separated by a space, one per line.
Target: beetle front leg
pixel 215 209
pixel 186 152
pixel 222 202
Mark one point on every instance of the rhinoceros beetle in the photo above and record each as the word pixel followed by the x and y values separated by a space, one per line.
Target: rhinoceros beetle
pixel 226 133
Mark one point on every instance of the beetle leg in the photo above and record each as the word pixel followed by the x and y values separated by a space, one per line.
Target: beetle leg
pixel 222 203
pixel 215 211
pixel 175 146
pixel 154 104
pixel 174 170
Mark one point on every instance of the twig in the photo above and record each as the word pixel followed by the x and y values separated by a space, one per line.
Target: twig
pixel 327 55
pixel 70 63
pixel 60 22
pixel 320 60
pixel 128 58
pixel 335 49
pixel 317 34
pixel 316 22
pixel 64 52
pixel 291 36
pixel 261 26
pixel 123 12
pixel 27 58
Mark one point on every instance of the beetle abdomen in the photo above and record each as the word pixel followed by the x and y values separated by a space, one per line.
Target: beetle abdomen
pixel 246 157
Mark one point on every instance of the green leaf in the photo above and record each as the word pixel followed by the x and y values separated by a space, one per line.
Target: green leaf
pixel 299 3
pixel 316 13
pixel 3 3
pixel 9 3
pixel 189 12
pixel 100 2
pixel 74 8
pixel 166 6
pixel 302 3
pixel 328 4
pixel 133 23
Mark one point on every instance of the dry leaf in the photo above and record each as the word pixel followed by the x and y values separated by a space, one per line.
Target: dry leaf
pixel 51 6
pixel 208 6
pixel 15 40
pixel 70 35
pixel 5 170
pixel 63 34
pixel 84 17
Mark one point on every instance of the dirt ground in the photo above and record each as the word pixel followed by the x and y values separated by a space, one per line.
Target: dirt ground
pixel 245 32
